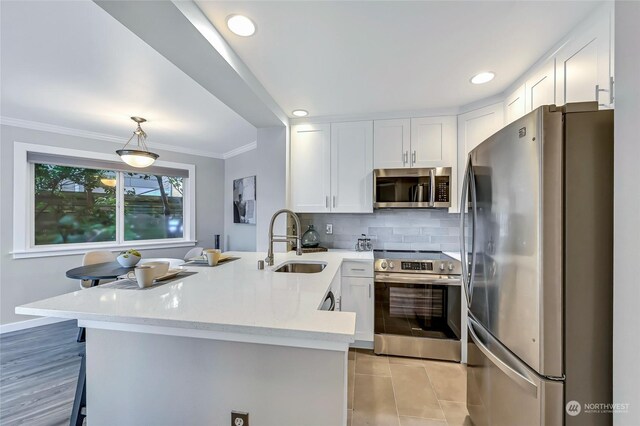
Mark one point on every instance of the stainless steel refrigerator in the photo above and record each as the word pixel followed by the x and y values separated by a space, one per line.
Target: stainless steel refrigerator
pixel 537 248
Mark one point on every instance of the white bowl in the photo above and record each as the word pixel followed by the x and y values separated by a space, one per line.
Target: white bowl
pixel 129 261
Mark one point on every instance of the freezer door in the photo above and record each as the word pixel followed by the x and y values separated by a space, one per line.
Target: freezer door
pixel 516 285
pixel 502 390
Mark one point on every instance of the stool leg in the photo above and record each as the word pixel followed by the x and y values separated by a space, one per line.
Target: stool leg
pixel 80 400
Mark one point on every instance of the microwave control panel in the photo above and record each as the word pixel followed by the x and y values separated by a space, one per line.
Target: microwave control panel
pixel 442 189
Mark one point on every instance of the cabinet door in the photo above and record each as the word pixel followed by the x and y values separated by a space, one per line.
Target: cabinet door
pixel 310 168
pixel 392 141
pixel 352 167
pixel 433 142
pixel 540 88
pixel 514 105
pixel 357 296
pixel 584 65
pixel 473 128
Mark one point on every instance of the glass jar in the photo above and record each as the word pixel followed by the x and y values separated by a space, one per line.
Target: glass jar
pixel 310 238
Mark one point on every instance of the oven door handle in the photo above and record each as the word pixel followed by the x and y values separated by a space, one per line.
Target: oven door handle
pixel 416 279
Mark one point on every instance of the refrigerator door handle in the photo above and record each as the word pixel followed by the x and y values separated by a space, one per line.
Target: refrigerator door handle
pixel 474 227
pixel 463 249
pixel 512 373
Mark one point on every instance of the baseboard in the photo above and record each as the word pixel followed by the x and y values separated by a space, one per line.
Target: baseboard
pixel 23 325
pixel 362 344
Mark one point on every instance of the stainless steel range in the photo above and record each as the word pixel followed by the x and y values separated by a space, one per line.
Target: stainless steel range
pixel 417 304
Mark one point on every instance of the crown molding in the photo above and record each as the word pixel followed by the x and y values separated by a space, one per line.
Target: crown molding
pixel 241 150
pixel 45 127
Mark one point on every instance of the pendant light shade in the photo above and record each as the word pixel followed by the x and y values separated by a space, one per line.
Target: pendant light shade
pixel 140 156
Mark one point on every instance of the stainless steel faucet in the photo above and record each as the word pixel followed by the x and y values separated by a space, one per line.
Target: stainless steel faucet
pixel 283 238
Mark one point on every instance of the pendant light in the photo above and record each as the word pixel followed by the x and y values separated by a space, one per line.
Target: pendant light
pixel 141 156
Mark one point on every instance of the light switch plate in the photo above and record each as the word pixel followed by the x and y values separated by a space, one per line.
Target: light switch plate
pixel 329 228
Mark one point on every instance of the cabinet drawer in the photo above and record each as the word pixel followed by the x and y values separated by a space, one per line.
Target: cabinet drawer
pixel 357 269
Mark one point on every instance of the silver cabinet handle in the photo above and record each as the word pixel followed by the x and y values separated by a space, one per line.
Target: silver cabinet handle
pixel 413 158
pixel 611 96
pixel 369 290
pixel 405 158
pixel 357 269
pixel 512 373
pixel 326 201
pixel 334 201
pixel 598 90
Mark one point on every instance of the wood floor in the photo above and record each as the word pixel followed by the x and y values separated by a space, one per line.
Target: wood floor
pixel 38 373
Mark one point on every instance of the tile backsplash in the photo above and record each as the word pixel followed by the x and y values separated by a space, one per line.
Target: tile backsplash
pixel 435 230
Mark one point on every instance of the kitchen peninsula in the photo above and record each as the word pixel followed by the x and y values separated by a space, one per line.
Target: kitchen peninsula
pixel 231 337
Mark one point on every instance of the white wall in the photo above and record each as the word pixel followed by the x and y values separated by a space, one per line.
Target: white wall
pixel 27 280
pixel 626 316
pixel 239 236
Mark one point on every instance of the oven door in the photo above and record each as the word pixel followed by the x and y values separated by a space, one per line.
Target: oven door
pixel 417 316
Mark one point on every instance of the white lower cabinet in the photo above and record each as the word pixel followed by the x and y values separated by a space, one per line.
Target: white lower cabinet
pixel 357 296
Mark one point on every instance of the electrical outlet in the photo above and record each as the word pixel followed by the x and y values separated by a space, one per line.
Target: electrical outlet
pixel 239 419
pixel 329 229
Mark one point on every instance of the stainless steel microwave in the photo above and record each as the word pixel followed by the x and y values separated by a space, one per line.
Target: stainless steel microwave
pixel 412 188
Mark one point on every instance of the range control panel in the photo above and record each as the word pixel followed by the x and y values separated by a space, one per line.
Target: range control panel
pixel 416 266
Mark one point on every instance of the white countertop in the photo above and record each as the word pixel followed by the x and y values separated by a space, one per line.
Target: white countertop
pixel 234 297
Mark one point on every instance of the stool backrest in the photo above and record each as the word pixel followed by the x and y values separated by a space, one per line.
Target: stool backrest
pixel 98 256
pixel 196 251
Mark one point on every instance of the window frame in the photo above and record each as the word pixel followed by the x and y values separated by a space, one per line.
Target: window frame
pixel 24 206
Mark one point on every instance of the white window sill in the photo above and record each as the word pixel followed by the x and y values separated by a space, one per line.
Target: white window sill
pixel 68 251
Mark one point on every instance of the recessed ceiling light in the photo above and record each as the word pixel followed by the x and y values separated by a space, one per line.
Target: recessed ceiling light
pixel 483 77
pixel 241 25
pixel 300 113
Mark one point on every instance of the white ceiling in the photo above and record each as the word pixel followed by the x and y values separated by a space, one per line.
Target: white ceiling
pixel 71 64
pixel 342 58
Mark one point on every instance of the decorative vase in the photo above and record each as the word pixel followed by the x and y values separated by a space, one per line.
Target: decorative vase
pixel 310 238
pixel 128 260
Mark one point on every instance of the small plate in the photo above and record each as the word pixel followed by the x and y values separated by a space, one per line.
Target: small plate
pixel 170 274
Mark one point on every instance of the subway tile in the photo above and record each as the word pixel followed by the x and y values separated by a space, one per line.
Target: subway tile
pixel 406 231
pixel 445 239
pixel 450 223
pixel 416 239
pixel 379 231
pixel 434 230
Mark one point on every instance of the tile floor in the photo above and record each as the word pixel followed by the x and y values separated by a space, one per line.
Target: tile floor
pixel 395 391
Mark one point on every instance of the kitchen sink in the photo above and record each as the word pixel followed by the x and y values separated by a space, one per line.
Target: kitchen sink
pixel 301 267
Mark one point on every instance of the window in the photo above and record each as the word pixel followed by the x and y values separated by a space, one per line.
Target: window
pixel 76 203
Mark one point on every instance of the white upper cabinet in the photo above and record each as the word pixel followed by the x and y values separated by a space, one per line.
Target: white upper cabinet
pixel 514 105
pixel 415 142
pixel 433 142
pixel 392 142
pixel 310 180
pixel 332 167
pixel 352 167
pixel 540 87
pixel 473 128
pixel 584 66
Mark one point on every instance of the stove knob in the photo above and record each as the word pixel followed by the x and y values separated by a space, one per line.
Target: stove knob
pixel 390 265
pixel 441 266
pixel 383 264
pixel 450 266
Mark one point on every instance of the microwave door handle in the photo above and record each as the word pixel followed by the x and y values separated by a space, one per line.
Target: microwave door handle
pixel 463 250
pixel 432 187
